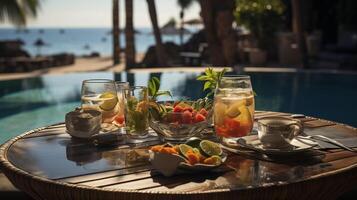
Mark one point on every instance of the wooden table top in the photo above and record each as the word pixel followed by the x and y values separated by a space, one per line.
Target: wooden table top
pixel 48 164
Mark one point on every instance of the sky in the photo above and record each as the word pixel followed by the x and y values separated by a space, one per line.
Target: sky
pixel 98 13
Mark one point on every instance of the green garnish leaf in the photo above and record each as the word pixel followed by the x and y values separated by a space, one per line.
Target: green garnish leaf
pixel 211 79
pixel 154 86
pixel 163 93
pixel 207 85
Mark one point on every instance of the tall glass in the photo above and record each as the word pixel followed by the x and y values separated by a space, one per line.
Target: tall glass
pixel 101 95
pixel 121 87
pixel 136 112
pixel 233 107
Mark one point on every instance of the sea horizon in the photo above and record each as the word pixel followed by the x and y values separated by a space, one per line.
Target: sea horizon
pixel 79 40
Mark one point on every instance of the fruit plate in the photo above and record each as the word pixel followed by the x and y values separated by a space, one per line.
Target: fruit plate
pixel 170 164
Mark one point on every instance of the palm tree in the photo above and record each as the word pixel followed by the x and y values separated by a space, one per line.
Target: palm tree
pixel 218 18
pixel 160 52
pixel 116 33
pixel 184 4
pixel 17 12
pixel 298 30
pixel 129 35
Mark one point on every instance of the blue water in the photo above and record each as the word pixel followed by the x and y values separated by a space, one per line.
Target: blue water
pixel 34 102
pixel 75 39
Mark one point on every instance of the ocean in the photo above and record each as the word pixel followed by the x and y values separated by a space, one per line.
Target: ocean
pixel 80 41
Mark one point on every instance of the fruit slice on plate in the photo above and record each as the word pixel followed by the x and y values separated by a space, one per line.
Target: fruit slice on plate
pixel 213 160
pixel 109 101
pixel 184 148
pixel 209 148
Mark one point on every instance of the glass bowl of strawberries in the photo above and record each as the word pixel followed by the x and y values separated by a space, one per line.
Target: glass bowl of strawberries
pixel 176 121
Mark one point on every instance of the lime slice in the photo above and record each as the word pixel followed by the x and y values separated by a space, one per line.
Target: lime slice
pixel 184 148
pixel 209 148
pixel 109 101
pixel 213 160
pixel 194 142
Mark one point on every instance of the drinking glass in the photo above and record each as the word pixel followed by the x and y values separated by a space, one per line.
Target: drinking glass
pixel 233 108
pixel 121 87
pixel 136 112
pixel 101 95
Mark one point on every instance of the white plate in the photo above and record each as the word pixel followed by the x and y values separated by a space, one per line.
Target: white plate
pixel 297 146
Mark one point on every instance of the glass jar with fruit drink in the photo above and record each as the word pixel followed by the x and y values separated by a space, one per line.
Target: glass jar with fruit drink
pixel 121 87
pixel 101 95
pixel 233 108
pixel 137 112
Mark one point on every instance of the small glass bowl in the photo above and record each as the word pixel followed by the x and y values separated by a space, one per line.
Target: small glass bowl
pixel 169 129
pixel 177 132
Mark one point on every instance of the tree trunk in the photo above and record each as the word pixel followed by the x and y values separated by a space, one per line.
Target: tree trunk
pixel 116 32
pixel 299 31
pixel 182 15
pixel 129 35
pixel 160 52
pixel 218 19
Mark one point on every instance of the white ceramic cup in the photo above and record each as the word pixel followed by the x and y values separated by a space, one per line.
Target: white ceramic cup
pixel 277 132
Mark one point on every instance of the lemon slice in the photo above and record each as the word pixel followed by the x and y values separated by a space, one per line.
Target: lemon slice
pixel 233 112
pixel 109 101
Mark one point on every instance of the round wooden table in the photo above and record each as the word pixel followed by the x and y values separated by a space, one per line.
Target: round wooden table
pixel 47 163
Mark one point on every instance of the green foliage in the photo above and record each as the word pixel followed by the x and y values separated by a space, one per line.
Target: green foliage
pixel 262 17
pixel 211 79
pixel 154 86
pixel 17 12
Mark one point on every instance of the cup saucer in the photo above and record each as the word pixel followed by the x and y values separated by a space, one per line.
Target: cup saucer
pixel 297 146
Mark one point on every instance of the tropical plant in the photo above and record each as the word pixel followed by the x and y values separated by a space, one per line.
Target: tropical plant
pixel 129 35
pixel 160 51
pixel 116 33
pixel 184 4
pixel 17 12
pixel 263 18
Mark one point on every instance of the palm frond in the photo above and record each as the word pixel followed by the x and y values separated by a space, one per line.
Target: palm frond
pixel 184 4
pixel 17 11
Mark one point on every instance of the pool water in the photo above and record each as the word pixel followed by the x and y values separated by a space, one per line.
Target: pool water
pixel 34 102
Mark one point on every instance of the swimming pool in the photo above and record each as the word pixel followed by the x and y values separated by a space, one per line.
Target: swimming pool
pixel 34 102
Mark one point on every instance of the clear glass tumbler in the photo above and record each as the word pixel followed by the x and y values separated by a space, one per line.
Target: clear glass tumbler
pixel 233 107
pixel 136 112
pixel 101 95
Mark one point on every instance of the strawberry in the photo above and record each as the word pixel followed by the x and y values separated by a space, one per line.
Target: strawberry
pixel 203 112
pixel 189 108
pixel 178 109
pixel 186 117
pixel 199 118
pixel 119 119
